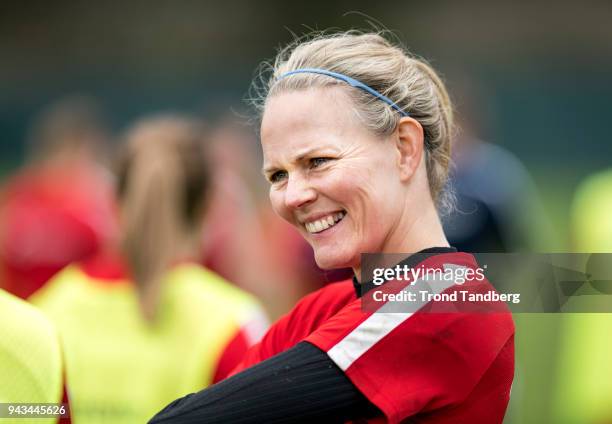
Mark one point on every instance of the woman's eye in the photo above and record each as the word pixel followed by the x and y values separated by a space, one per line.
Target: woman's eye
pixel 277 176
pixel 316 162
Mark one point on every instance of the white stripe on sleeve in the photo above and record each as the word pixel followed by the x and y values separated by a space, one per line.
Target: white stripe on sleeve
pixel 380 323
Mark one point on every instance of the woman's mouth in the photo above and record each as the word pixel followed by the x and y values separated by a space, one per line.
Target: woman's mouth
pixel 324 223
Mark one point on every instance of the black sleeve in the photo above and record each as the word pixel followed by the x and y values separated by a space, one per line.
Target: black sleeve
pixel 300 385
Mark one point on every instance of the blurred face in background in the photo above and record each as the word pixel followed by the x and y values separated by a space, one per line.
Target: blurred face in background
pixel 331 177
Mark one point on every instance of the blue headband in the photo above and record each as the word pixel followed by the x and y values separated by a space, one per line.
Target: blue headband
pixel 351 81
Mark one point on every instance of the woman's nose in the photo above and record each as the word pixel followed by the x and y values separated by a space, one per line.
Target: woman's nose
pixel 298 192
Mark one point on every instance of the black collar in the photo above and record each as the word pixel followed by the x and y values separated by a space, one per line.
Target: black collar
pixel 411 261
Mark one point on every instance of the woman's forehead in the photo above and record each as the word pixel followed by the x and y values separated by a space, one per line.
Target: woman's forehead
pixel 294 146
pixel 327 108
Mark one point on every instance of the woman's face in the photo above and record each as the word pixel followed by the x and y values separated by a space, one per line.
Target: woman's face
pixel 330 177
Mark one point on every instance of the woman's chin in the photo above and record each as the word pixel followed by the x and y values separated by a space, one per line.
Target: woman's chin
pixel 327 260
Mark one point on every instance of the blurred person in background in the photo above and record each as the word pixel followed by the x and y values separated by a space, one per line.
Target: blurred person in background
pixel 59 208
pixel 30 359
pixel 234 232
pixel 498 210
pixel 584 375
pixel 145 323
pixel 498 206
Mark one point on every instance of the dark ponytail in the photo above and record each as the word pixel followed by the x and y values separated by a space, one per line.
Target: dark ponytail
pixel 162 184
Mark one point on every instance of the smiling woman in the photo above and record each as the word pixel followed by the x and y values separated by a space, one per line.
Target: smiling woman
pixel 346 173
pixel 356 138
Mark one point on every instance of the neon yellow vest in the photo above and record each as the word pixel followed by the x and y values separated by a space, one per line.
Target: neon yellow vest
pixel 592 214
pixel 30 358
pixel 121 369
pixel 584 393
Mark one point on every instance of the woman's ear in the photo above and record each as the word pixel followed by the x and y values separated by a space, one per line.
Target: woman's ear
pixel 409 141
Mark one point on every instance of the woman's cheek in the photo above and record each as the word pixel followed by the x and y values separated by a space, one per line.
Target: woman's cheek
pixel 342 181
pixel 276 200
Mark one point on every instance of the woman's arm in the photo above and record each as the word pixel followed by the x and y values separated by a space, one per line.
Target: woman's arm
pixel 297 386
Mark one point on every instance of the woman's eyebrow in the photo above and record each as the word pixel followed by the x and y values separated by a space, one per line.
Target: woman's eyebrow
pixel 301 155
pixel 265 170
pixel 316 151
pixel 307 152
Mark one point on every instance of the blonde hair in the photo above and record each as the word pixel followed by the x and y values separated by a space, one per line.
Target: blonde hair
pixel 389 69
pixel 162 182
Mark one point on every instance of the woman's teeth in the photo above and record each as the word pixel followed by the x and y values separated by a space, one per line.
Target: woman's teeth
pixel 324 223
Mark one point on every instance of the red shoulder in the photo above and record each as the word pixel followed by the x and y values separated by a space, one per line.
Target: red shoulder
pixel 106 265
pixel 306 317
pixel 326 301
